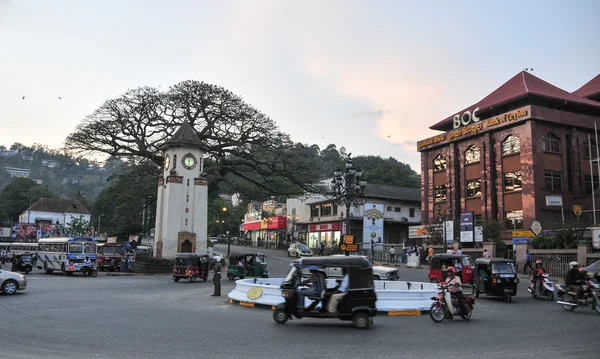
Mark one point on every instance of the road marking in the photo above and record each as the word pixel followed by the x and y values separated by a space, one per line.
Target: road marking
pixel 404 312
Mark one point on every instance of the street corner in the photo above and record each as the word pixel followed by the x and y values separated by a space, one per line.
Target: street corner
pixel 252 305
pixel 406 312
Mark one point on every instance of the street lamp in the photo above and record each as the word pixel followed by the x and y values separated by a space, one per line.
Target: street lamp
pixel 227 233
pixel 349 189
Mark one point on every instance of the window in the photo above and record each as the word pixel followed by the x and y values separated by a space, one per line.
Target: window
pixel 314 210
pixel 411 212
pixel 590 146
pixel 439 163
pixel 326 209
pixel 512 181
pixel 397 209
pixel 335 210
pixel 440 193
pixel 588 184
pixel 511 145
pixel 551 143
pixel 187 197
pixel 472 155
pixel 514 219
pixel 389 208
pixel 552 180
pixel 474 188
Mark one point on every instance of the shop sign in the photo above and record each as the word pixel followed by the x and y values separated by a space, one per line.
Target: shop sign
pixel 472 127
pixel 554 201
pixel 349 239
pixel 523 234
pixel 277 222
pixel 415 232
pixel 325 227
pixel 252 217
pixel 465 118
pixel 348 247
pixel 596 238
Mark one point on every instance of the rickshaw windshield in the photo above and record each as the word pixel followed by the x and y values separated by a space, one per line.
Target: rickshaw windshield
pixel 185 262
pixel 108 251
pixel 503 268
pixel 466 262
pixel 291 274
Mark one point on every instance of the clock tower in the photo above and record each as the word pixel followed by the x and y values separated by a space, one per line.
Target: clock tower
pixel 182 201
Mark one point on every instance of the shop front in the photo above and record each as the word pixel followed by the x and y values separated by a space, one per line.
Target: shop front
pixel 276 230
pixel 328 233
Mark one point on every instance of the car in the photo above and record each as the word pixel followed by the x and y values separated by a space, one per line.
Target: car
pixel 593 268
pixel 213 240
pixel 11 282
pixel 298 250
pixel 379 272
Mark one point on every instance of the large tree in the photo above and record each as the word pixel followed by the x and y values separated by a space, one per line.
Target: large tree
pixel 245 149
pixel 16 197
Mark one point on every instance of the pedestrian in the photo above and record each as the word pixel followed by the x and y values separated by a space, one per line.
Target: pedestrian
pixel 217 280
pixel 372 248
pixel 392 255
pixel 321 248
pixel 459 251
pixel 527 262
pixel 486 254
pixel 429 254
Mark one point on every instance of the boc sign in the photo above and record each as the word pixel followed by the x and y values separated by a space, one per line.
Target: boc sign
pixel 465 118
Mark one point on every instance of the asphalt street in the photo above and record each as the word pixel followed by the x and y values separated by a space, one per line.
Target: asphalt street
pixel 154 317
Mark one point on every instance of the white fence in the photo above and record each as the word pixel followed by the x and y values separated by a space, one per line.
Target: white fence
pixel 391 295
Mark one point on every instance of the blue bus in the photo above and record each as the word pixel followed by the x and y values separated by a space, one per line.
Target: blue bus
pixel 57 254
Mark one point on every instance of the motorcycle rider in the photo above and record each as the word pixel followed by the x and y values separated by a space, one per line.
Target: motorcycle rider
pixel 537 277
pixel 574 278
pixel 455 288
pixel 87 264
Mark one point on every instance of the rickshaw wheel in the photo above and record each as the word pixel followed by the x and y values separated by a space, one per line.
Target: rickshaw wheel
pixel 193 279
pixel 242 277
pixel 205 279
pixel 230 277
pixel 361 320
pixel 280 316
pixel 176 279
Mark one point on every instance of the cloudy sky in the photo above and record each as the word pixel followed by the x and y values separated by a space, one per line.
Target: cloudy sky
pixel 345 72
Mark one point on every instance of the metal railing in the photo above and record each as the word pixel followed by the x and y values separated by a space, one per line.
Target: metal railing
pixel 557 264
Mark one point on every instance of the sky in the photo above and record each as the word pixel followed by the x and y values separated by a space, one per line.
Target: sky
pixel 371 76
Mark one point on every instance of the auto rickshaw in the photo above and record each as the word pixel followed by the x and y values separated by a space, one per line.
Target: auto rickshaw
pixel 357 305
pixel 495 277
pixel 22 263
pixel 439 263
pixel 248 264
pixel 191 266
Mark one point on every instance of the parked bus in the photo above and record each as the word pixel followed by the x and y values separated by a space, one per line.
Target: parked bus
pixel 56 254
pixel 22 248
pixel 109 256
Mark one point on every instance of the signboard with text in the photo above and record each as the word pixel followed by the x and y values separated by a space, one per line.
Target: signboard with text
pixel 467 226
pixel 373 226
pixel 449 232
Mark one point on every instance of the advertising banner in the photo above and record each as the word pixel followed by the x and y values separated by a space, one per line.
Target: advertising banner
pixel 467 226
pixel 373 226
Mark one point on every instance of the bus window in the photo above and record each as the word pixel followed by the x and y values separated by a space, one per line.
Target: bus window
pixel 90 248
pixel 119 251
pixel 75 247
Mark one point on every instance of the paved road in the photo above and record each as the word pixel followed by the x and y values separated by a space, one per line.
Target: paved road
pixel 153 317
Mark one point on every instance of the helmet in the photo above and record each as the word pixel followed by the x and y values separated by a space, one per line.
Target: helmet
pixel 538 261
pixel 451 269
pixel 573 265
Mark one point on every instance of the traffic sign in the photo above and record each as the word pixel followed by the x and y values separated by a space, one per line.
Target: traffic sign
pixel 524 234
pixel 536 228
pixel 349 239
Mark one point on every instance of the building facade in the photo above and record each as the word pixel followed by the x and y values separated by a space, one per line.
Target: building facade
pixel 501 157
pixel 54 211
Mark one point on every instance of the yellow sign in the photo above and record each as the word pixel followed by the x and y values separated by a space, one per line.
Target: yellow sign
pixel 577 210
pixel 523 234
pixel 349 239
pixel 254 293
pixel 349 247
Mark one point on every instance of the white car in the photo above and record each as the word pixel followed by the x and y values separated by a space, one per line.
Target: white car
pixel 11 282
pixel 298 250
pixel 379 272
pixel 214 240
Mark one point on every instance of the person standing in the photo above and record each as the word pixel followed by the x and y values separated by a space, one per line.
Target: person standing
pixel 217 280
pixel 459 251
pixel 486 254
pixel 527 262
pixel 393 255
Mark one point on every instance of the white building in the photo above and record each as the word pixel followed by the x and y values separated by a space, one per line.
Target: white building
pixel 49 163
pixel 18 172
pixel 55 211
pixel 182 199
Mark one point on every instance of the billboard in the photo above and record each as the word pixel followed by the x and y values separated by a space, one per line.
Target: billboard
pixel 373 226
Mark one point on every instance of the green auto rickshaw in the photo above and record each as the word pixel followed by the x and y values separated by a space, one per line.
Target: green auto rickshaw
pixel 248 264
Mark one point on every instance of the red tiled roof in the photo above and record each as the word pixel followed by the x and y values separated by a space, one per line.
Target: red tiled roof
pixel 56 205
pixel 521 85
pixel 590 89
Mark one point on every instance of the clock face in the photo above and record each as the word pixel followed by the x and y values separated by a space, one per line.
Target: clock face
pixel 167 162
pixel 189 161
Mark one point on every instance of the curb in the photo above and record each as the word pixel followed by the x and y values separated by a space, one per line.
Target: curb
pixel 117 274
pixel 394 313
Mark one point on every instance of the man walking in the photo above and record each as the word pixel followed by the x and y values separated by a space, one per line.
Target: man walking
pixel 392 255
pixel 217 280
pixel 527 262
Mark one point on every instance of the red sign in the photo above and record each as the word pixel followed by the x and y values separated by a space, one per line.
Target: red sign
pixel 325 227
pixel 277 222
pixel 251 226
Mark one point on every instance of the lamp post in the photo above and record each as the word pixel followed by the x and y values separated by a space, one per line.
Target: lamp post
pixel 228 241
pixel 349 190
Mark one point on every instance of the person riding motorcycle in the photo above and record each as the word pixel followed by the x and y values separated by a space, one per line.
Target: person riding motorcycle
pixel 455 288
pixel 574 278
pixel 87 265
pixel 537 277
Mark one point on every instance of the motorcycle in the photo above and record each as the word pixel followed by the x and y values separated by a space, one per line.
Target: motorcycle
pixel 446 306
pixel 90 271
pixel 547 288
pixel 590 295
